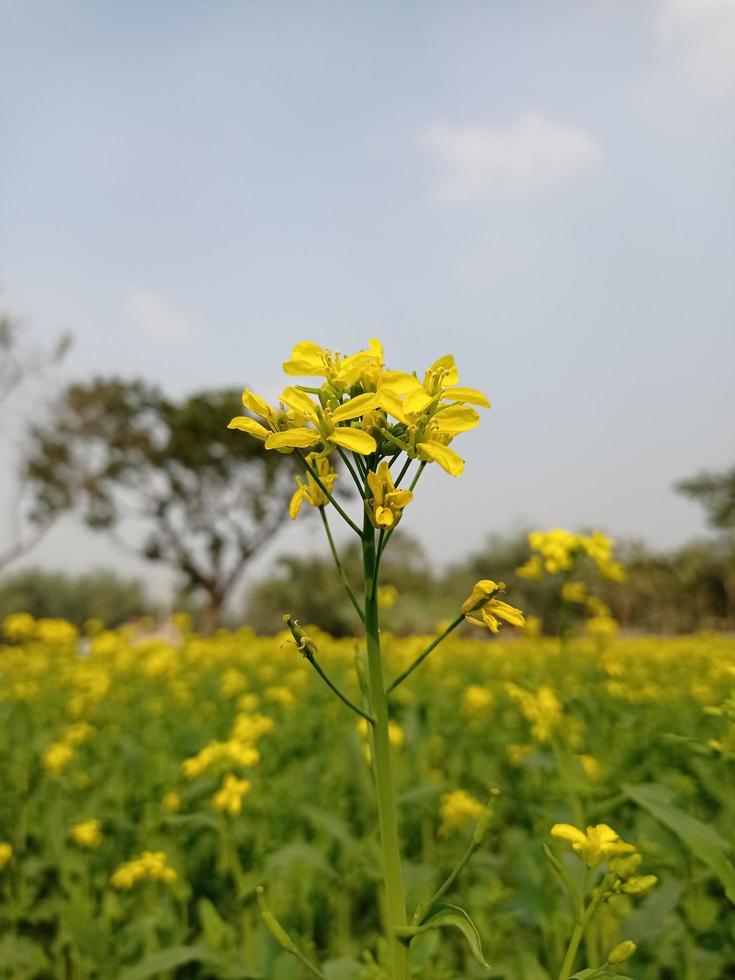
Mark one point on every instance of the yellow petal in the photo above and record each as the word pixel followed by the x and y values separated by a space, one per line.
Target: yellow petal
pixel 306 359
pixel 400 382
pixel 292 439
pixel 299 401
pixel 391 403
pixel 565 831
pixel 355 407
pixel 416 401
pixel 253 428
pixel 295 506
pixel 400 498
pixel 256 404
pixel 455 419
pixel 447 364
pixel 356 440
pixel 469 395
pixel 435 452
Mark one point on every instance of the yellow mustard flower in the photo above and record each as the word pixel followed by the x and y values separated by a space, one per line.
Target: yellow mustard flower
pixel 310 492
pixel 6 853
pixel 574 592
pixel 87 834
pixel 386 504
pixel 229 797
pixel 387 596
pixel 57 757
pixel 275 423
pixel 19 626
pixel 171 801
pixel 149 866
pixel 598 844
pixel 481 608
pixel 457 809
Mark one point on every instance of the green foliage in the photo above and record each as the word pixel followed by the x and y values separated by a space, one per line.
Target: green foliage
pixel 308 826
pixel 99 594
pixel 716 493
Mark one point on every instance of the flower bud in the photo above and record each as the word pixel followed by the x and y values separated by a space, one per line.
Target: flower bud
pixel 622 952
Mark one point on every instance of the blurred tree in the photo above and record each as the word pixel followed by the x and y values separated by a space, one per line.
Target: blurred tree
pixel 310 589
pixel 167 478
pixel 99 594
pixel 20 364
pixel 716 493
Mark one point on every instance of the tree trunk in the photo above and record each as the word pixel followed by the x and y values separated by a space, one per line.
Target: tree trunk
pixel 212 613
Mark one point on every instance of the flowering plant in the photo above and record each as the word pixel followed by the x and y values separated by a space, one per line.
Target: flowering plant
pixel 380 423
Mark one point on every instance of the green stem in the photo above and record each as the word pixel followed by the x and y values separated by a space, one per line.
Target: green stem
pixel 387 811
pixel 340 568
pixel 422 656
pixel 317 479
pixel 281 936
pixel 358 482
pixel 423 910
pixel 343 697
pixel 568 964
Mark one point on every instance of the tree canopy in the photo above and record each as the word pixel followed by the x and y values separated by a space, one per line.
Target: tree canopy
pixel 163 477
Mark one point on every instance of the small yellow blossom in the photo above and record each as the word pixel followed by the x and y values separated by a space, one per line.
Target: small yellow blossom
pixel 310 492
pixel 149 866
pixel 171 802
pixel 598 844
pixel 457 809
pixel 19 626
pixel 387 596
pixel 386 504
pixel 6 854
pixel 87 834
pixel 574 592
pixel 481 608
pixel 57 757
pixel 229 797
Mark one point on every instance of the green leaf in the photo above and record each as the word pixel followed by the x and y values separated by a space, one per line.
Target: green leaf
pixel 343 969
pixel 216 931
pixel 176 956
pixel 701 839
pixel 443 914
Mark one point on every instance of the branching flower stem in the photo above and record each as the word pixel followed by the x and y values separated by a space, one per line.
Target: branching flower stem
pixel 423 910
pixel 340 510
pixel 340 567
pixel 343 697
pixel 422 656
pixel 358 482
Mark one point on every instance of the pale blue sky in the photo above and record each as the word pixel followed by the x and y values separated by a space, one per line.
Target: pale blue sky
pixel 544 189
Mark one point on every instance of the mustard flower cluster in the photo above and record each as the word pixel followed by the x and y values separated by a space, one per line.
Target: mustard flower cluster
pixel 149 866
pixel 239 749
pixel 558 550
pixel 482 608
pixel 87 834
pixel 229 797
pixel 363 408
pixel 601 844
pixel 457 809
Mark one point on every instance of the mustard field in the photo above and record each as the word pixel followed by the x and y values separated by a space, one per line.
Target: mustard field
pixel 149 786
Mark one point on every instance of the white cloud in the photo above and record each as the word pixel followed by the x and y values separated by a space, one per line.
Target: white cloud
pixel 701 35
pixel 529 155
pixel 154 315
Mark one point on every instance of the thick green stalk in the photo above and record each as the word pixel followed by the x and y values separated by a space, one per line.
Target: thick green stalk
pixel 387 814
